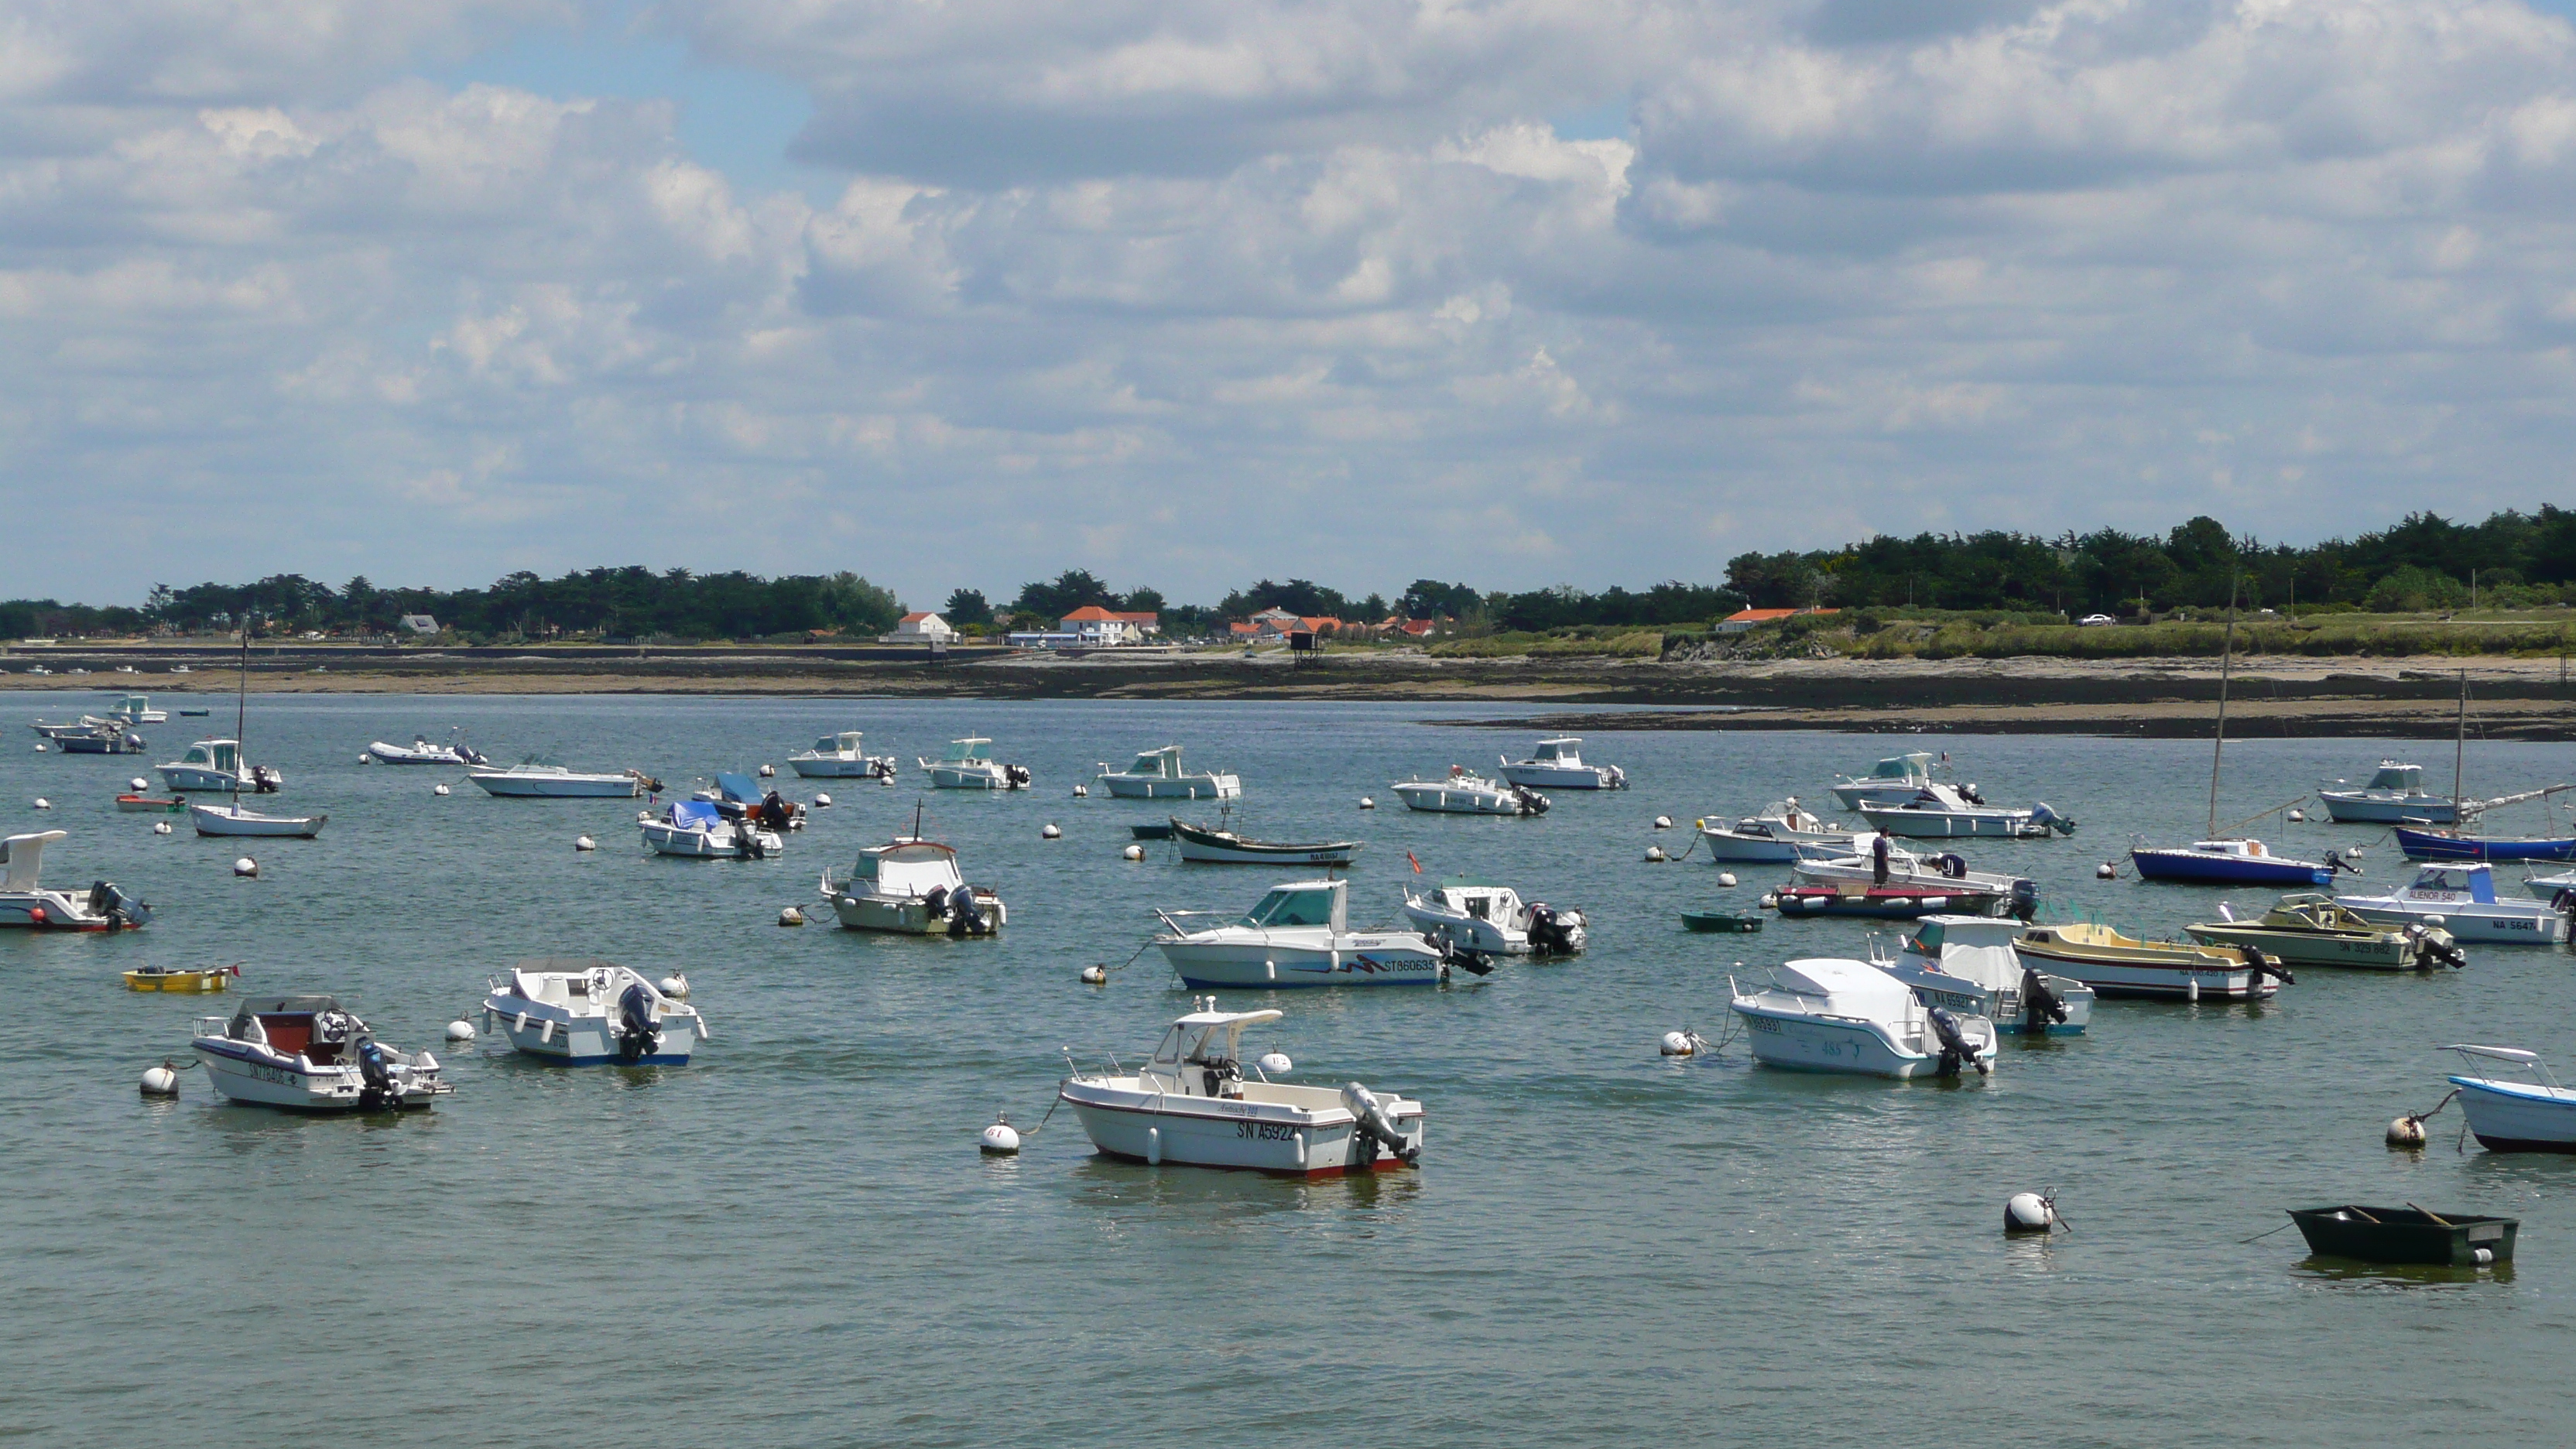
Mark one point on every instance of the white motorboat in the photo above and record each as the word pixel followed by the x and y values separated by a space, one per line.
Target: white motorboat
pixel 839 757
pixel 1783 832
pixel 577 1011
pixel 1297 935
pixel 913 886
pixel 232 819
pixel 1190 1103
pixel 1967 964
pixel 2554 888
pixel 421 752
pixel 1492 920
pixel 1157 775
pixel 1898 777
pixel 1955 812
pixel 533 778
pixel 2393 795
pixel 137 709
pixel 2526 1112
pixel 1876 860
pixel 2460 897
pixel 1464 794
pixel 108 738
pixel 216 766
pixel 1558 765
pixel 88 724
pixel 698 830
pixel 306 1053
pixel 1828 1015
pixel 969 765
pixel 24 901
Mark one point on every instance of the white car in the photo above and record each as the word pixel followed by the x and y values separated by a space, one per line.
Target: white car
pixel 2095 621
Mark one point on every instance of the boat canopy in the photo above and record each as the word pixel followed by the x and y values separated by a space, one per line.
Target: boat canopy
pixel 965 752
pixel 1853 988
pixel 844 743
pixel 1191 1036
pixel 1933 933
pixel 23 854
pixel 1916 766
pixel 133 704
pixel 1995 968
pixel 216 754
pixel 737 787
pixel 282 1006
pixel 1303 903
pixel 2477 880
pixel 696 814
pixel 909 867
pixel 2407 779
pixel 1562 749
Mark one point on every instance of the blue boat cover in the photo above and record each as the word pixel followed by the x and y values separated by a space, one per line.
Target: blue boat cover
pixel 737 787
pixel 695 814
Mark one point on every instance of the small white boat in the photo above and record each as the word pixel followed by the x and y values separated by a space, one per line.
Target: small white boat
pixel 914 887
pixel 1190 1103
pixel 108 738
pixel 698 830
pixel 216 766
pixel 1898 777
pixel 2526 1112
pixel 1828 1015
pixel 1877 860
pixel 1784 832
pixel 232 819
pixel 1948 812
pixel 576 1011
pixel 306 1053
pixel 2394 795
pixel 1967 964
pixel 969 765
pixel 1492 920
pixel 422 752
pixel 137 709
pixel 1157 775
pixel 2554 889
pixel 533 778
pixel 2460 898
pixel 1558 765
pixel 1464 794
pixel 1297 935
pixel 24 901
pixel 839 757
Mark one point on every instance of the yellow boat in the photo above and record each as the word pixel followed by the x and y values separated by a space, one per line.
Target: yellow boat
pixel 2117 965
pixel 156 978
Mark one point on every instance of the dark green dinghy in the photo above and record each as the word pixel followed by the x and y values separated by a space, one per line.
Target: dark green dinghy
pixel 1719 921
pixel 2407 1235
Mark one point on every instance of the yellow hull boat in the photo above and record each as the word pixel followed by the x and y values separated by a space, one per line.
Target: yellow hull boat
pixel 212 978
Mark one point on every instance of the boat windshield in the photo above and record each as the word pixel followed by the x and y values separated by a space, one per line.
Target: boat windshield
pixel 1293 906
pixel 1903 767
pixel 1152 763
pixel 966 752
pixel 2406 779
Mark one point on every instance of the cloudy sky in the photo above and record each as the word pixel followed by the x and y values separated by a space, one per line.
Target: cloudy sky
pixel 1517 292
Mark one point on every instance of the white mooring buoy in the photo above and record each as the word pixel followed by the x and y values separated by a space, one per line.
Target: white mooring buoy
pixel 460 1030
pixel 1001 1139
pixel 1052 832
pixel 2104 871
pixel 362 759
pixel 438 789
pixel 1275 1063
pixel 245 867
pixel 2406 1131
pixel 822 801
pixel 1770 901
pixel 1726 878
pixel 139 783
pixel 1654 854
pixel 2030 1212
pixel 886 780
pixel 584 842
pixel 161 1081
pixel 42 747
pixel 1133 852
pixel 768 772
pixel 1663 822
pixel 791 917
pixel 2297 815
pixel 1683 1044
pixel 1367 804
pixel 1082 792
pixel 160 827
pixel 676 986
pixel 1095 975
pixel 44 804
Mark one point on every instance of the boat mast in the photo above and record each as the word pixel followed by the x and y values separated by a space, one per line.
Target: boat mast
pixel 241 714
pixel 2226 658
pixel 2460 747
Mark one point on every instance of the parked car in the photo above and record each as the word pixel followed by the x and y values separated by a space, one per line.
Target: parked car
pixel 2095 621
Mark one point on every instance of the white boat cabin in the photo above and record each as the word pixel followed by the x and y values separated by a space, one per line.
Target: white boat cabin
pixel 1567 752
pixel 1202 1054
pixel 905 869
pixel 1896 770
pixel 1302 903
pixel 219 755
pixel 1162 764
pixel 842 746
pixel 24 855
pixel 2453 884
pixel 1480 900
pixel 968 752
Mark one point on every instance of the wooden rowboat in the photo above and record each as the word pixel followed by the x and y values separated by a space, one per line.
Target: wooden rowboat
pixel 156 978
pixel 2407 1235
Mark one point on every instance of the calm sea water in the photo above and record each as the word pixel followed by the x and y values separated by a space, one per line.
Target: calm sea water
pixel 793 1241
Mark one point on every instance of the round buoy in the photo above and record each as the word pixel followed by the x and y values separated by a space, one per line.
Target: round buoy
pixel 1770 900
pixel 2406 1131
pixel 245 867
pixel 1275 1062
pixel 1094 975
pixel 2028 1212
pixel 1133 852
pixel 1367 804
pixel 1050 833
pixel 791 917
pixel 160 827
pixel 584 842
pixel 768 772
pixel 44 804
pixel 2352 852
pixel 439 789
pixel 2298 815
pixel 362 759
pixel 676 986
pixel 42 747
pixel 822 802
pixel 1663 822
pixel 161 1081
pixel 139 783
pixel 1082 792
pixel 460 1030
pixel 2104 871
pixel 1001 1139
pixel 1678 1044
pixel 1726 878
pixel 886 780
pixel 1654 854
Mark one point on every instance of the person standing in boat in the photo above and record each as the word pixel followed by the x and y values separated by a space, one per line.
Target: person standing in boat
pixel 1878 860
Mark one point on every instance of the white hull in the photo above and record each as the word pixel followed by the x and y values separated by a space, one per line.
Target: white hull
pixel 955 777
pixel 1191 787
pixel 1159 1129
pixel 667 839
pixel 556 787
pixel 2468 921
pixel 1557 777
pixel 1445 800
pixel 242 1078
pixel 591 1044
pixel 813 769
pixel 2003 1008
pixel 232 820
pixel 1808 1044
pixel 1951 824
pixel 2517 1117
pixel 2355 810
pixel 201 779
pixel 1373 960
pixel 1894 792
pixel 1206 854
pixel 385 754
pixel 910 915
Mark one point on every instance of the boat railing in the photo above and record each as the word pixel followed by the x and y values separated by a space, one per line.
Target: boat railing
pixel 2527 1061
pixel 208 1026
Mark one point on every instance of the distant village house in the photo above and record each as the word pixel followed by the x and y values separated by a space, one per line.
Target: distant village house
pixel 921 628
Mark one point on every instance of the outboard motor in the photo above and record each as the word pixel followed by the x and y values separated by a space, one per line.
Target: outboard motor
pixel 880 769
pixel 1453 954
pixel 265 781
pixel 2024 905
pixel 1018 775
pixel 377 1087
pixel 1955 1050
pixel 746 836
pixel 1532 802
pixel 1376 1126
pixel 936 903
pixel 965 918
pixel 2439 948
pixel 774 811
pixel 1614 777
pixel 1969 794
pixel 1548 933
pixel 2039 1005
pixel 2336 862
pixel 2041 815
pixel 638 1034
pixel 2258 966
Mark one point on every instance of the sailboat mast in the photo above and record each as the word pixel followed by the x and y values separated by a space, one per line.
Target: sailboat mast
pixel 2460 746
pixel 2226 659
pixel 241 713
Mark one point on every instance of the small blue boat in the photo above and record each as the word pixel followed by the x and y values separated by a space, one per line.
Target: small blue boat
pixel 2422 844
pixel 2231 863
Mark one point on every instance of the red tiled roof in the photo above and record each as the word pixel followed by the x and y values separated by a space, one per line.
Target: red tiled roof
pixel 1091 614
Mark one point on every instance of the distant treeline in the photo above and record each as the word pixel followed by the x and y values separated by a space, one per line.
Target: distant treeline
pixel 2426 562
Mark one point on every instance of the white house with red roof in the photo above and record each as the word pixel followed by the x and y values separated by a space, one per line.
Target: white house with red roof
pixel 921 628
pixel 1096 626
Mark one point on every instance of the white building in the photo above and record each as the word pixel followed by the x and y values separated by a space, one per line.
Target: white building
pixel 923 628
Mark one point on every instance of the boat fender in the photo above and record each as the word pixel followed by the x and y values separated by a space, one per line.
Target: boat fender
pixel 1955 1049
pixel 2040 1006
pixel 2030 1212
pixel 637 1032
pixel 1376 1125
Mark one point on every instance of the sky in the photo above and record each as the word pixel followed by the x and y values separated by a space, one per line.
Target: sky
pixel 1509 292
